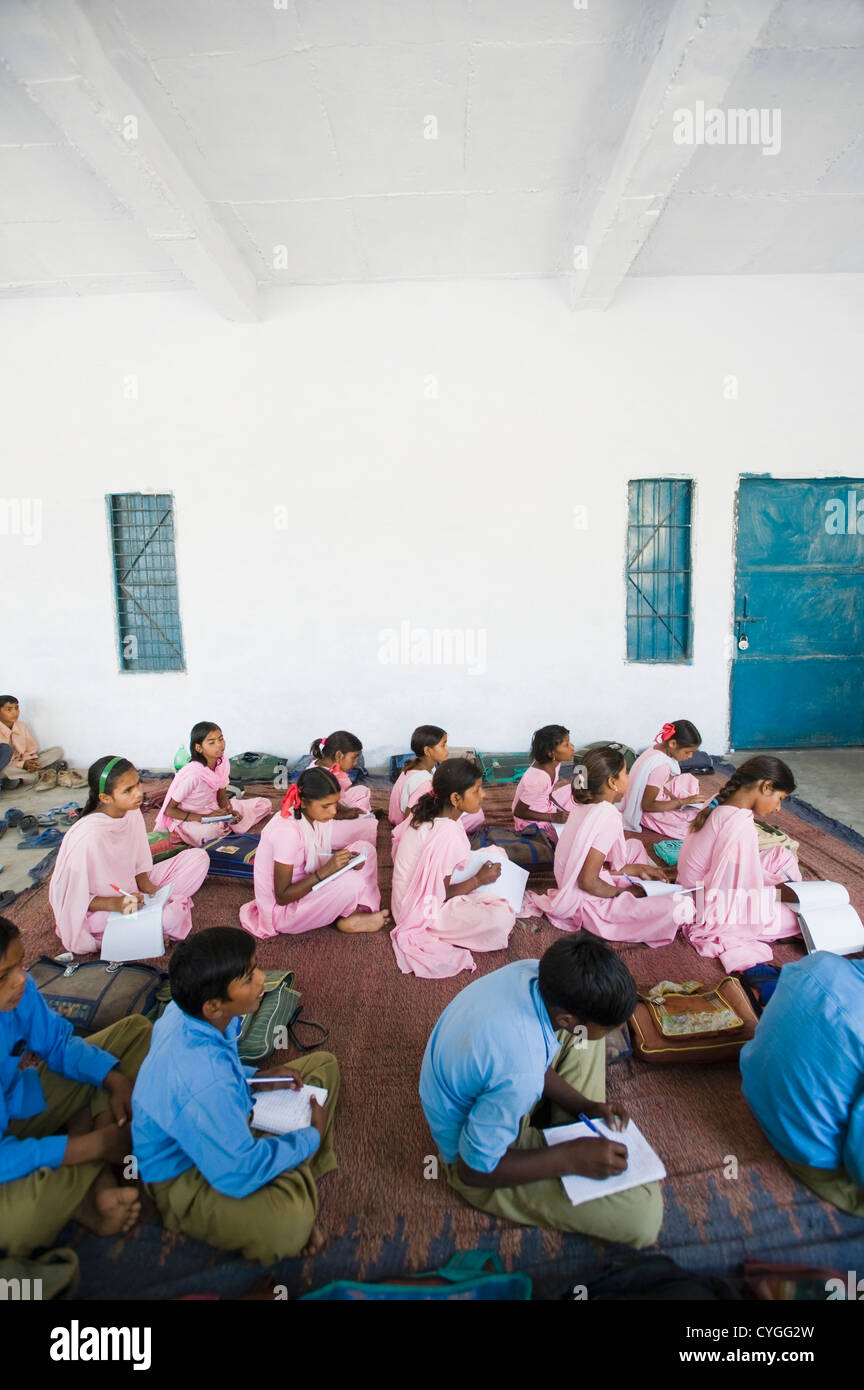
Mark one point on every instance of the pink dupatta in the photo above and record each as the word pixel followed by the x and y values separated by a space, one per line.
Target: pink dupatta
pixel 194 788
pixel 94 854
pixel 423 858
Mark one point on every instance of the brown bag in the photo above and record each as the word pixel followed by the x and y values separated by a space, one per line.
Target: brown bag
pixel 650 1045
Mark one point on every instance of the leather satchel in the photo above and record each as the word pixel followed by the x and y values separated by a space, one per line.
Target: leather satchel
pixel 697 1026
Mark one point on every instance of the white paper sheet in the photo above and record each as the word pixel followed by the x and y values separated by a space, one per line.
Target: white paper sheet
pixel 278 1111
pixel 828 920
pixel 643 1163
pixel 138 935
pixel 510 883
pixel 359 857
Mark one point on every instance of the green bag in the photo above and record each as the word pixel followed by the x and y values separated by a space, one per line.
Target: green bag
pixel 579 755
pixel 462 1280
pixel 280 1008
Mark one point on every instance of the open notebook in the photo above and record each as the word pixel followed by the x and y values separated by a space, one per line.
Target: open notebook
pixel 643 1163
pixel 654 888
pixel 357 858
pixel 136 935
pixel 828 920
pixel 510 883
pixel 278 1111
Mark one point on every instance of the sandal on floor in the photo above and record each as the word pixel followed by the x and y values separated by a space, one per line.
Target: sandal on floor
pixel 13 815
pixel 6 900
pixel 42 840
pixel 47 780
pixel 72 777
pixel 42 870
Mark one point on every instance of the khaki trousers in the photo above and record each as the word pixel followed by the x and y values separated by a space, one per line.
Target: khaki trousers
pixel 632 1218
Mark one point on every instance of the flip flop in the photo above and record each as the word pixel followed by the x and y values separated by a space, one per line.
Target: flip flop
pixel 13 815
pixel 47 837
pixel 28 825
pixel 3 828
pixel 6 900
pixel 42 870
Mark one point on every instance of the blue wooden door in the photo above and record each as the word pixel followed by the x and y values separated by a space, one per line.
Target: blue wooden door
pixel 799 614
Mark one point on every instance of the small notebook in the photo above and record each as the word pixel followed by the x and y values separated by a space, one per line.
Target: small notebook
pixel 655 888
pixel 643 1163
pixel 828 920
pixel 279 1111
pixel 136 935
pixel 510 883
pixel 359 857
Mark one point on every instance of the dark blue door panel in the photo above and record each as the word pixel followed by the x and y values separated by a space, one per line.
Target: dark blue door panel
pixel 799 603
pixel 797 703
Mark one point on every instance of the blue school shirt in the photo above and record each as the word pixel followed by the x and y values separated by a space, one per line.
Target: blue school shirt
pixel 803 1073
pixel 485 1065
pixel 33 1027
pixel 190 1109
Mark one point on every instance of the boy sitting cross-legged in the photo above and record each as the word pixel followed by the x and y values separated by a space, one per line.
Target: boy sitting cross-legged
pixel 532 1031
pixel 64 1111
pixel 210 1174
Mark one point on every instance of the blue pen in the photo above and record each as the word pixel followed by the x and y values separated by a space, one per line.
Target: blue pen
pixel 593 1128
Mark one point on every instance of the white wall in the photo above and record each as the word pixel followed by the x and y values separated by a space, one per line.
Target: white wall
pixel 449 512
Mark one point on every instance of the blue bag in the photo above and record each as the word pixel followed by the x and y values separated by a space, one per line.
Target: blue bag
pixel 232 856
pixel 460 1281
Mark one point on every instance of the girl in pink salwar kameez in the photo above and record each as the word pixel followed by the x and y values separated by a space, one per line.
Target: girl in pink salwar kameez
pixel 354 819
pixel 742 913
pixel 659 794
pixel 540 798
pixel 439 923
pixel 198 791
pixel 105 865
pixel 429 746
pixel 594 866
pixel 296 854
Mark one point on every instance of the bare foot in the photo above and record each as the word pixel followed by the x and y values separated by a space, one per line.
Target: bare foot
pixel 314 1243
pixel 108 1210
pixel 363 921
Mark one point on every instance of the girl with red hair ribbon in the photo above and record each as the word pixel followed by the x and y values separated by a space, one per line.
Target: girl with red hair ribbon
pixel 659 795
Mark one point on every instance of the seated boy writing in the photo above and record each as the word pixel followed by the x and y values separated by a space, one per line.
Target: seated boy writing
pixel 506 1042
pixel 210 1174
pixel 64 1108
pixel 22 760
pixel 803 1075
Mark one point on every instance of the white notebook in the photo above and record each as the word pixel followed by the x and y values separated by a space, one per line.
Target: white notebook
pixel 643 1163
pixel 828 920
pixel 510 883
pixel 137 935
pixel 359 857
pixel 656 888
pixel 277 1111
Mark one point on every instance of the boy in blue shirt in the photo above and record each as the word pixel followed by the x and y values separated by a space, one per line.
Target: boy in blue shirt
pixel 535 1031
pixel 64 1112
pixel 210 1174
pixel 803 1075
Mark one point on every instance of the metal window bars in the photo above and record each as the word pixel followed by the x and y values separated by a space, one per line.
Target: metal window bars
pixel 659 619
pixel 145 581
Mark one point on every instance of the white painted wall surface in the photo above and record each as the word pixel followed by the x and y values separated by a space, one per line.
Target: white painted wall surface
pixel 430 444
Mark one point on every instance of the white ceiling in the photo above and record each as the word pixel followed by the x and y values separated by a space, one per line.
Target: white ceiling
pixel 286 145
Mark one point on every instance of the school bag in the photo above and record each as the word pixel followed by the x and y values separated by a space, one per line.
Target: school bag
pixel 462 1280
pixel 92 996
pixel 530 849
pixel 579 756
pixel 232 856
pixel 699 1024
pixel 281 1007
pixel 162 846
pixel 256 767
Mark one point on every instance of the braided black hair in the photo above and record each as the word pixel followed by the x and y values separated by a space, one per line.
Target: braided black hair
pixel 759 769
pixel 456 775
pixel 600 764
